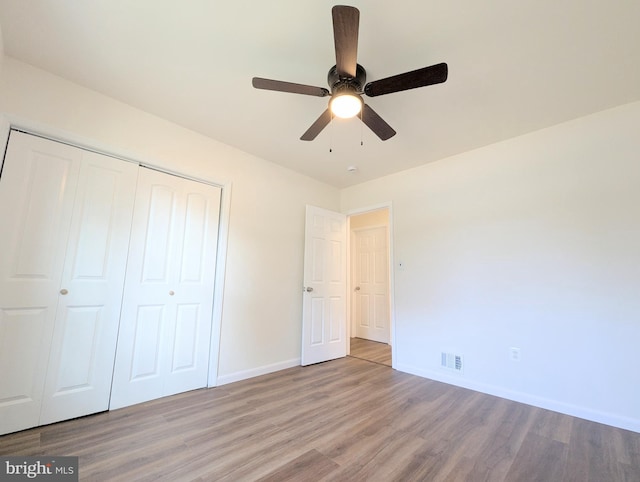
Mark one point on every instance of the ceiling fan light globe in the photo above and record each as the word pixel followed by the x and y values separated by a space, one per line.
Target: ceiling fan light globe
pixel 346 106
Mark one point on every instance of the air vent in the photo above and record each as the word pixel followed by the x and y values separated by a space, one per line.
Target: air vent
pixel 451 361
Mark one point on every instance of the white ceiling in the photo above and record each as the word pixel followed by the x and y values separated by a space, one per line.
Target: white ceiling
pixel 514 67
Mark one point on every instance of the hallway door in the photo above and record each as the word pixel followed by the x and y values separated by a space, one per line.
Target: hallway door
pixel 371 284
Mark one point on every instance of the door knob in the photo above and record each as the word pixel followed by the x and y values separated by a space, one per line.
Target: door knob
pixel 63 291
pixel 357 288
pixel 171 293
pixel 308 289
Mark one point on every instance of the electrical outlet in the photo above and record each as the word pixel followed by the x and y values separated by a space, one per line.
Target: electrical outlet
pixel 514 353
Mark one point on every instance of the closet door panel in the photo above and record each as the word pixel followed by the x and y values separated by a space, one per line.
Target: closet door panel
pixel 86 329
pixel 80 338
pixel 145 359
pixel 21 365
pixel 171 267
pixel 183 355
pixel 141 357
pixel 195 239
pixel 158 237
pixel 194 285
pixel 37 191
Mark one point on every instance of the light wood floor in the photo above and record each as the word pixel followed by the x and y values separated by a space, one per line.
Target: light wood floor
pixel 347 419
pixel 371 351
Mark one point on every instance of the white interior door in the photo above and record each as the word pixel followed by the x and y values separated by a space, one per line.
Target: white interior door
pixel 325 286
pixel 371 284
pixel 86 329
pixel 37 190
pixel 165 325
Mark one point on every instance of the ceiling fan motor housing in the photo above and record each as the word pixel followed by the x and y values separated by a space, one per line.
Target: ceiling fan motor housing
pixel 353 84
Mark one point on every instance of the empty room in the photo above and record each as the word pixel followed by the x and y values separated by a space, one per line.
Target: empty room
pixel 307 241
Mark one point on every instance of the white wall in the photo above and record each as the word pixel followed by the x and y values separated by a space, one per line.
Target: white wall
pixel 531 243
pixel 1 48
pixel 261 324
pixel 379 217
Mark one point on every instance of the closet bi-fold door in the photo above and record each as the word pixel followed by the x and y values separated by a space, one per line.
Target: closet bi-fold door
pixel 165 326
pixel 65 216
pixel 37 190
pixel 84 340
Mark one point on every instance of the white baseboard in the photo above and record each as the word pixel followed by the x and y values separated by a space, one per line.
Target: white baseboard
pixel 256 372
pixel 540 402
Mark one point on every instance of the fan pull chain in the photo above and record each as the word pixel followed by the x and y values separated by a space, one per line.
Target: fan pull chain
pixel 361 128
pixel 331 132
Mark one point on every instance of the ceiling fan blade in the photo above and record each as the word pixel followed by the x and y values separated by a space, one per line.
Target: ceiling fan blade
pixel 315 129
pixel 280 86
pixel 376 123
pixel 345 36
pixel 434 74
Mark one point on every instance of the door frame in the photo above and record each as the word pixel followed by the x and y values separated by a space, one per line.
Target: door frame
pixel 9 122
pixel 392 317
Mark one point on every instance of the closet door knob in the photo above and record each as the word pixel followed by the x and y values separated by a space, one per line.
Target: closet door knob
pixel 171 293
pixel 63 291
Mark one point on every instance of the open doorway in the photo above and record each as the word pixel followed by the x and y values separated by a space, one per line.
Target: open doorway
pixel 370 286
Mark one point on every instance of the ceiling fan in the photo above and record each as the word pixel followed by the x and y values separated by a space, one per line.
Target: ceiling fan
pixel 347 80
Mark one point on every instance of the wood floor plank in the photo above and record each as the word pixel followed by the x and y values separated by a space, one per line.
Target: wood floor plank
pixel 504 440
pixel 552 425
pixel 370 350
pixel 347 419
pixel 626 447
pixel 591 455
pixel 311 465
pixel 539 460
pixel 384 461
pixel 21 443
